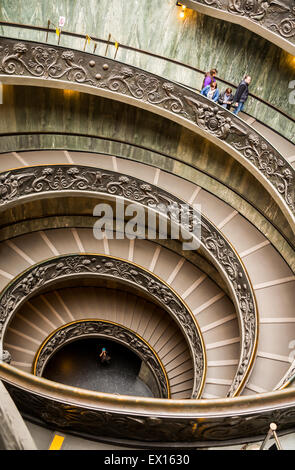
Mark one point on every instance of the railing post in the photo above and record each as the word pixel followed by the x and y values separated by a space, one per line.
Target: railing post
pixel 47 30
pixel 272 431
pixel 277 440
pixel 109 38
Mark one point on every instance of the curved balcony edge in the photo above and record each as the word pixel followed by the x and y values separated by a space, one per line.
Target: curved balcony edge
pixel 275 26
pixel 146 419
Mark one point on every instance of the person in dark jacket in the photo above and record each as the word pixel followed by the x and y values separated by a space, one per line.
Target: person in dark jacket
pixel 226 98
pixel 241 94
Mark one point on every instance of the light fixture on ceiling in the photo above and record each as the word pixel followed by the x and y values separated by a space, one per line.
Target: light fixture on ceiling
pixel 183 7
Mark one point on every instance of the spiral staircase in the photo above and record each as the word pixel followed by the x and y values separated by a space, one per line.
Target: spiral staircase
pixel 215 325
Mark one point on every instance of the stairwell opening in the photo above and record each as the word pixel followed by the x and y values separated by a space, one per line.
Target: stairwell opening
pixel 78 364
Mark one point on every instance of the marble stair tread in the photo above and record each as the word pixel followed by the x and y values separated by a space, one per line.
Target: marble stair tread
pixel 225 372
pixel 266 265
pixel 91 159
pixel 226 331
pixel 44 157
pixel 270 340
pixel 242 234
pixel 137 170
pixel 11 160
pixel 267 373
pixel 276 301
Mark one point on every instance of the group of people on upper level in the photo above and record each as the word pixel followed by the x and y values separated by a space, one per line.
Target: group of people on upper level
pixel 226 98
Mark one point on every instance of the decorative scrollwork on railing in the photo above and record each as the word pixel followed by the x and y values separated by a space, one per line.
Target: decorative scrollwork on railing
pixel 277 16
pixel 204 425
pixel 6 356
pixel 101 328
pixel 63 267
pixel 255 150
pixel 16 184
pixel 44 63
pixel 40 61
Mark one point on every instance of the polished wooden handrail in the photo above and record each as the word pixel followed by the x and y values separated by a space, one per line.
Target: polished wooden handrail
pixel 213 407
pixel 149 421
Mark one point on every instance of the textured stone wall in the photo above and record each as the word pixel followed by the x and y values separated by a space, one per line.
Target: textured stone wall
pixel 155 26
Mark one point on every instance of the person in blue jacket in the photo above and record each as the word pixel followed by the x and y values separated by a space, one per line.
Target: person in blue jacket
pixel 211 91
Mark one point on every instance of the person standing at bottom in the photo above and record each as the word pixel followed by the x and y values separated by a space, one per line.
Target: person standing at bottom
pixel 104 356
pixel 241 94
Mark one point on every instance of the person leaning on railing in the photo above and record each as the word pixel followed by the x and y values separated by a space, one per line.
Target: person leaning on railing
pixel 241 94
pixel 209 77
pixel 211 91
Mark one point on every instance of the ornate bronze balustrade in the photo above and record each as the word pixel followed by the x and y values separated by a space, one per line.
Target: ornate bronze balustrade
pixel 273 19
pixel 35 64
pixel 17 186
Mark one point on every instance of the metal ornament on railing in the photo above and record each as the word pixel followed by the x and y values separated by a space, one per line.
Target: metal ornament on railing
pixel 57 63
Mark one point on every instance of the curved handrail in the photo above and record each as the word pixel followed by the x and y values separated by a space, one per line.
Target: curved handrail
pixel 29 62
pixel 151 54
pixel 274 21
pixel 148 419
